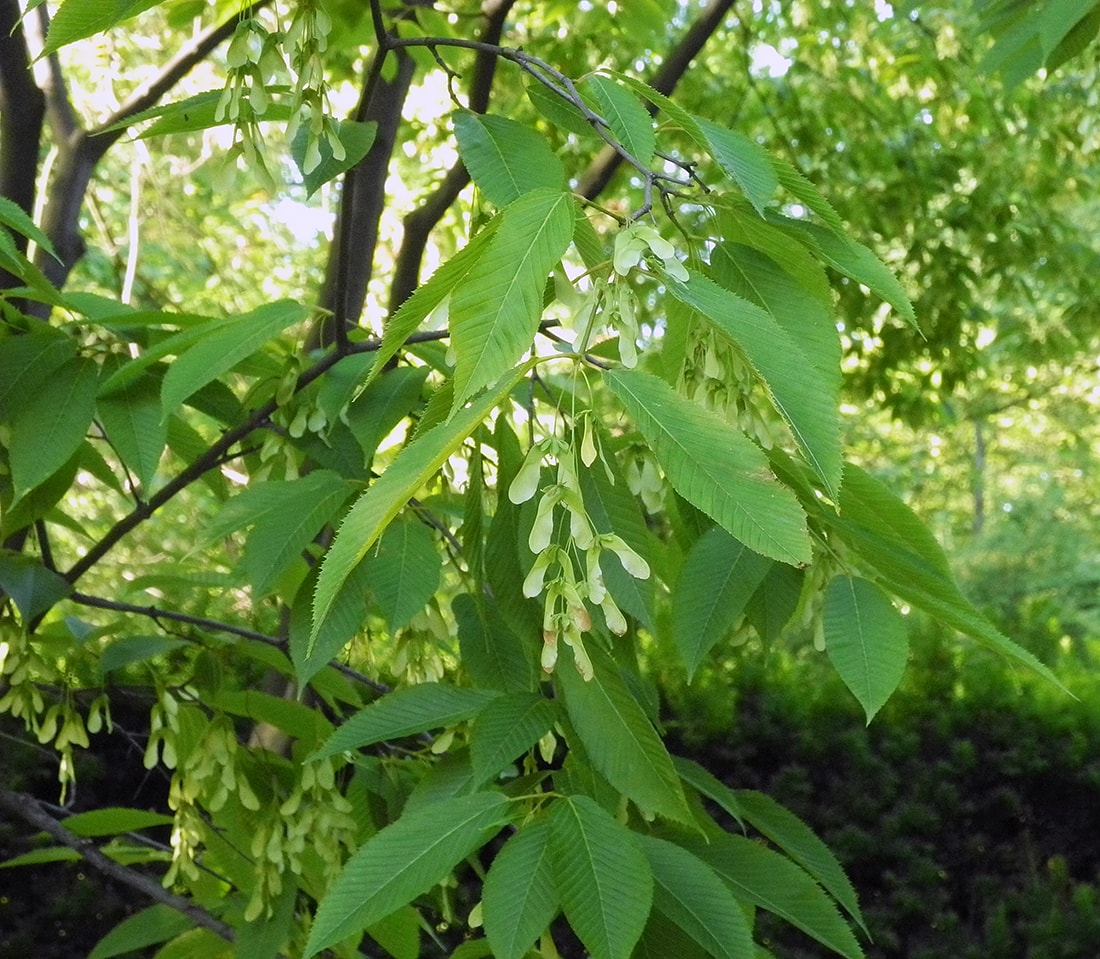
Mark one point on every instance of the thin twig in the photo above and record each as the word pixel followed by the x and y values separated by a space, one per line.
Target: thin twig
pixel 27 808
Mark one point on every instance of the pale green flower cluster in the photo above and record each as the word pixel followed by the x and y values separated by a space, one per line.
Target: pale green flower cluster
pixel 61 723
pixel 256 59
pixel 612 299
pixel 316 818
pixel 563 532
pixel 717 377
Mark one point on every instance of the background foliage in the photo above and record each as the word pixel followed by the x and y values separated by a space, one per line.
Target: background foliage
pixel 397 633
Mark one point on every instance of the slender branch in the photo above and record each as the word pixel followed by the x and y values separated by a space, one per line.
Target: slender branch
pixel 27 808
pixel 216 453
pixel 673 67
pixel 158 613
pixel 420 222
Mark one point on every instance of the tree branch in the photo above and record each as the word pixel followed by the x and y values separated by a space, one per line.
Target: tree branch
pixel 419 224
pixel 157 613
pixel 27 808
pixel 85 148
pixel 22 111
pixel 602 169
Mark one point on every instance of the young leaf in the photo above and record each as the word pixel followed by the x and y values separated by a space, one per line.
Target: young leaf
pixel 387 495
pixel 605 883
pixel 719 577
pixel 619 738
pixel 866 640
pixel 799 842
pixel 402 861
pixel 405 712
pixel 804 397
pixel 495 312
pixel 715 467
pixel 506 159
pixel 218 352
pixel 506 728
pixel 629 121
pixel 49 428
pixel 520 896
pixel 687 891
pixel 763 877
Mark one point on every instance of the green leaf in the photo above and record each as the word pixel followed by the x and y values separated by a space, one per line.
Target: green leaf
pixel 390 492
pixel 745 161
pixel 763 877
pixel 402 861
pixel 629 121
pixel 495 312
pixel 132 420
pixel 805 397
pixel 865 638
pixel 48 429
pixel 136 649
pixel 507 728
pixel 805 317
pixel 619 738
pixel 404 571
pixel 285 516
pixel 405 712
pixel 688 892
pixel 494 655
pixel 382 405
pixel 399 933
pixel 312 651
pixel 800 842
pixel 775 601
pixel 13 216
pixel 150 926
pixel 506 159
pixel 111 820
pixel 430 296
pixel 303 722
pixel 78 19
pixel 604 881
pixel 890 538
pixel 715 467
pixel 28 360
pixel 32 586
pixel 857 262
pixel 218 352
pixel 520 897
pixel 264 937
pixel 719 577
pixel 705 783
pixel 38 857
pixel 561 113
pixel 806 191
pixel 355 137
